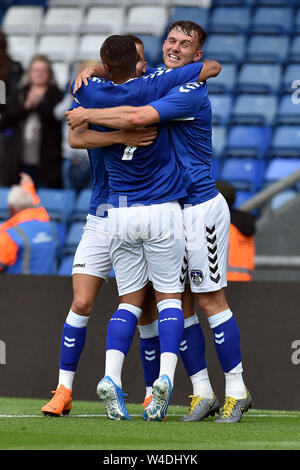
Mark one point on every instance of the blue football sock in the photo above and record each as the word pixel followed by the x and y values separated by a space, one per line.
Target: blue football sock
pixel 192 346
pixel 73 341
pixel 150 352
pixel 121 327
pixel 170 325
pixel 227 339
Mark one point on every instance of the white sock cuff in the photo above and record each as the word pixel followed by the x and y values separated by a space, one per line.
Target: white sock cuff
pixel 191 321
pixel 78 321
pixel 169 303
pixel 219 318
pixel 236 370
pixel 148 331
pixel 131 308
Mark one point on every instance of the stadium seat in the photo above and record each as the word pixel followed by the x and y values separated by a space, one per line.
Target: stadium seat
pixel 21 47
pixel 4 212
pixel 73 238
pixel 242 196
pixel 267 48
pixel 65 3
pixel 153 48
pixel 219 136
pixel 58 202
pixel 254 109
pixel 58 47
pixel 221 108
pixel 62 20
pixel 243 173
pixel 146 20
pixel 229 19
pixel 196 14
pixel 285 141
pixel 272 20
pixel 187 3
pixel 290 75
pixel 294 51
pixel 288 112
pixel 259 78
pixel 42 3
pixel 225 47
pixel 297 22
pixel 22 20
pixel 82 204
pixel 225 81
pixel 65 266
pixel 250 141
pixel 89 46
pixel 103 20
pixel 282 198
pixel 61 72
pixel 279 168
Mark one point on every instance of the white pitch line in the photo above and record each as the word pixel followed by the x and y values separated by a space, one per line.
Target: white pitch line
pixel 138 415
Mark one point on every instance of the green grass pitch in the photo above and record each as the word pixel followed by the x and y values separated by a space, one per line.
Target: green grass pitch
pixel 22 427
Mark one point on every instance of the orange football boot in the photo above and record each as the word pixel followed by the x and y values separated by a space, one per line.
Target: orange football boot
pixel 61 403
pixel 147 401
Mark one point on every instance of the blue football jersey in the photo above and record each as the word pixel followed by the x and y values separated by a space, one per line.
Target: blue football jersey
pixel 188 110
pixel 142 175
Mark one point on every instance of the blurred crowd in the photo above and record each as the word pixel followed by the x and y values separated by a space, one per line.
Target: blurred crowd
pixel 33 132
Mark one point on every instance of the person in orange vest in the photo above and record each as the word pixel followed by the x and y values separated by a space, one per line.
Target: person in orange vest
pixel 28 240
pixel 241 252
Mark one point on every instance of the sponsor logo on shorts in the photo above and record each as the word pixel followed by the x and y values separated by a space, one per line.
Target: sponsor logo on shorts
pixel 197 277
pixel 79 265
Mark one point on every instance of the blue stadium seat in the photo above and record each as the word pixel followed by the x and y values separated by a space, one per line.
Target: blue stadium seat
pixel 111 273
pixel 297 21
pixel 254 109
pixel 294 52
pixel 282 198
pixel 58 202
pixel 219 137
pixel 225 47
pixel 243 173
pixel 196 14
pixel 4 213
pixel 82 205
pixel 73 238
pixel 268 48
pixel 225 81
pixel 153 48
pixel 272 20
pixel 285 141
pixel 221 108
pixel 288 112
pixel 229 19
pixel 259 78
pixel 65 267
pixel 291 73
pixel 38 3
pixel 242 196
pixel 279 168
pixel 250 141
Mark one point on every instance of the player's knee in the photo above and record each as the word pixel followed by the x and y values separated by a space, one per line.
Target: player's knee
pixel 211 303
pixel 82 305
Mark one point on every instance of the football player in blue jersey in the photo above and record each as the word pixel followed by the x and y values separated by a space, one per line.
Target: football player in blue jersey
pixel 150 179
pixel 206 220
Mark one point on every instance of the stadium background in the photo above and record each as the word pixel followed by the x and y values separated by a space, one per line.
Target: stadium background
pixel 256 142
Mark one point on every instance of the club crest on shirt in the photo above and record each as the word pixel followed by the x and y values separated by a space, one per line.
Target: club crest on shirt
pixel 197 277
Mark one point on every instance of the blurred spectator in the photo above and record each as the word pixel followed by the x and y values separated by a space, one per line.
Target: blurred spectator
pixel 28 241
pixel 241 251
pixel 10 74
pixel 34 145
pixel 76 169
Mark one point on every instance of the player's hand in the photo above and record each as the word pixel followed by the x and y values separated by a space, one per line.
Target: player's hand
pixel 25 178
pixel 141 137
pixel 75 117
pixel 83 76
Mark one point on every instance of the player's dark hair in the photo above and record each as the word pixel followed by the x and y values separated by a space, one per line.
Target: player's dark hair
pixel 189 28
pixel 135 39
pixel 228 191
pixel 119 53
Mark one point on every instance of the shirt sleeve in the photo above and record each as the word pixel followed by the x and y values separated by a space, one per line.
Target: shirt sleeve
pixel 164 80
pixel 8 250
pixel 181 102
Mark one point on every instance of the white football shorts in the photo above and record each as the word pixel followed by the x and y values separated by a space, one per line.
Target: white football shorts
pixel 207 234
pixel 147 244
pixel 92 254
